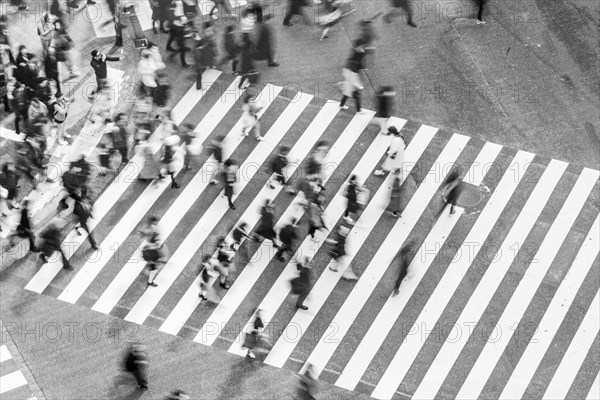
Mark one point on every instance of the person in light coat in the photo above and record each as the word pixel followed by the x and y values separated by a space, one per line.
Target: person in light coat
pixel 395 154
pixel 147 68
pixel 172 159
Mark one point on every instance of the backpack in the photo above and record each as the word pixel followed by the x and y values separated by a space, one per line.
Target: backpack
pixel 58 111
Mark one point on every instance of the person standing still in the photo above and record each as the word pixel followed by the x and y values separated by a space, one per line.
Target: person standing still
pixel 98 63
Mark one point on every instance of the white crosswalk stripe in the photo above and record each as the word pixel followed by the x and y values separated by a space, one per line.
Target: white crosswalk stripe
pixel 175 300
pixel 13 380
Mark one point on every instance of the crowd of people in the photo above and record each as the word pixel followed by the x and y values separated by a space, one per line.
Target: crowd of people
pixel 31 90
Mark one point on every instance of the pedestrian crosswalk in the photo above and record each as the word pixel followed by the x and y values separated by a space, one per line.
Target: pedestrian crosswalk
pixel 500 303
pixel 13 384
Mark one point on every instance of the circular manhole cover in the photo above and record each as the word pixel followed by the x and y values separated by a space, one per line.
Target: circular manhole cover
pixel 471 197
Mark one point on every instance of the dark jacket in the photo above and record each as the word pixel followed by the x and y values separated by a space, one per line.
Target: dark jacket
pixel 265 45
pixel 247 57
pixel 351 195
pixel 278 164
pixel 99 66
pixel 288 234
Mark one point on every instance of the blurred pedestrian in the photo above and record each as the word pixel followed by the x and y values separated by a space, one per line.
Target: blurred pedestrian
pixel 19 105
pixel 265 229
pixel 338 253
pixel 295 8
pixel 160 12
pixel 172 160
pixel 254 338
pixel 147 68
pixel 314 166
pixel 385 107
pixel 9 180
pixel 302 283
pixel 452 190
pixel 481 4
pixel 395 198
pixel 119 135
pixel 59 109
pixel 249 118
pixel 177 34
pixel 231 48
pixel 136 363
pixel 205 52
pixel 334 12
pixel 288 236
pixel 63 45
pixel 308 384
pixel 216 148
pixel 223 266
pixel 83 211
pixel 207 292
pixel 45 30
pixel 352 85
pixel 24 229
pixel 403 264
pixel 51 242
pixel 265 43
pixel 397 6
pixel 247 67
pixel 224 6
pixel 229 180
pixel 394 161
pixel 278 165
pixel 316 222
pixel 352 190
pixel 240 233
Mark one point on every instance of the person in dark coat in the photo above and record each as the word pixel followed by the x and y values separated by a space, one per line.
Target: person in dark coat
pixel 231 48
pixel 247 66
pixel 278 164
pixel 397 6
pixel 51 68
pixel 177 34
pixel 83 210
pixel 308 384
pixel 19 105
pixel 120 137
pixel 9 179
pixel 295 8
pixel 98 63
pixel 205 52
pixel 481 4
pixel 253 338
pixel 216 147
pixel 229 180
pixel 137 364
pixel 265 44
pixel 452 191
pixel 24 228
pixel 288 236
pixel 395 198
pixel 51 241
pixel 339 249
pixel 385 107
pixel 240 233
pixel 266 226
pixel 352 196
pixel 301 284
pixel 402 268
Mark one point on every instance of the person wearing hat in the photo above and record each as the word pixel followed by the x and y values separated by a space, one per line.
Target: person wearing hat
pixel 395 154
pixel 98 63
pixel 172 159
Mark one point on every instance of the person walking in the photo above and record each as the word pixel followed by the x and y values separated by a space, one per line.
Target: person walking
pixel 64 53
pixel 394 161
pixel 385 107
pixel 278 164
pixel 9 180
pixel 19 105
pixel 136 363
pixel 205 52
pixel 402 268
pixel 352 84
pixel 98 63
pixel 207 292
pixel 334 10
pixel 339 252
pixel 308 384
pixel 160 14
pixel 288 236
pixel 177 34
pixel 295 8
pixel 151 167
pixel 238 235
pixel 302 283
pixel 481 4
pixel 231 48
pixel 59 109
pixel 395 198
pixel 216 148
pixel 45 30
pixel 172 160
pixel 352 190
pixel 24 228
pixel 83 211
pixel 229 180
pixel 51 242
pixel 147 68
pixel 249 118
pixel 265 229
pixel 315 222
pixel 265 43
pixel 247 67
pixel 120 137
pixel 255 338
pixel 224 6
pixel 451 192
pixel 397 6
pixel 224 257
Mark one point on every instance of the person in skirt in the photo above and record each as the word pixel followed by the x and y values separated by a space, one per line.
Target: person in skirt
pixel 395 154
pixel 172 160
